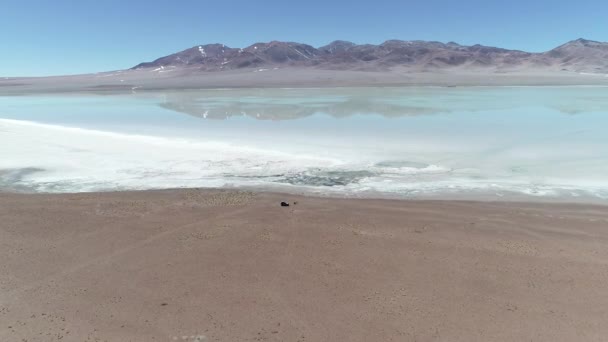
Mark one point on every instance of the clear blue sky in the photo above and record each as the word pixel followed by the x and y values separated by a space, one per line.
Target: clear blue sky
pixel 45 37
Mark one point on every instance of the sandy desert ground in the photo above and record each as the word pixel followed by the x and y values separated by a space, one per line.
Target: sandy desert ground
pixel 210 265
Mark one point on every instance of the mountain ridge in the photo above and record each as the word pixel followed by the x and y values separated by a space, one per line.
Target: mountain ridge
pixel 580 55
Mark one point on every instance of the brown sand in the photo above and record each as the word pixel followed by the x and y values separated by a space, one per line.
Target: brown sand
pixel 234 266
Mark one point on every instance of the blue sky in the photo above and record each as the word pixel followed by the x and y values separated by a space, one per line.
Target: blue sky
pixel 45 37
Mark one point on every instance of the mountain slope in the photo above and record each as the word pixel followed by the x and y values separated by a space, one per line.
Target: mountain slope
pixel 580 56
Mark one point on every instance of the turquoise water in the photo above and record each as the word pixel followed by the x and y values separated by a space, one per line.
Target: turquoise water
pixel 401 142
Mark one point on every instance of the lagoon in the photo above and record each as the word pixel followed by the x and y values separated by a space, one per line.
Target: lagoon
pixel 407 142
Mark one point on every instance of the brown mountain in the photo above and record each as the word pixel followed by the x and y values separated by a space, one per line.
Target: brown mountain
pixel 216 57
pixel 580 56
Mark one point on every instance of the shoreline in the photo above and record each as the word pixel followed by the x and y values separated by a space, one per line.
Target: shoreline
pixel 469 197
pixel 128 81
pixel 152 91
pixel 225 265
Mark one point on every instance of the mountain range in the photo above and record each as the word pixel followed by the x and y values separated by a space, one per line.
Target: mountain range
pixel 581 55
pixel 338 64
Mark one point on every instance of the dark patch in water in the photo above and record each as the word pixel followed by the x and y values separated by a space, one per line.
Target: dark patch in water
pixel 11 179
pixel 326 178
pixel 314 177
